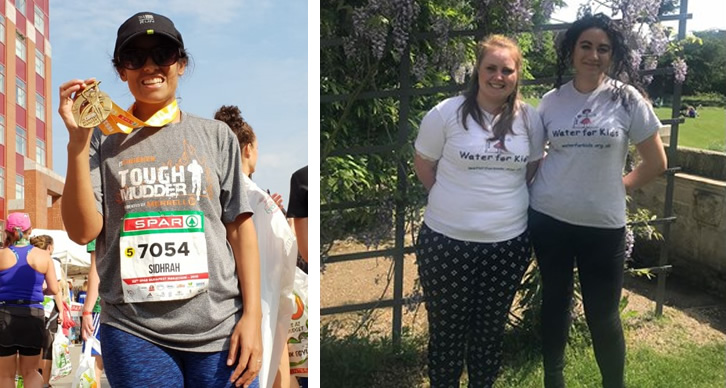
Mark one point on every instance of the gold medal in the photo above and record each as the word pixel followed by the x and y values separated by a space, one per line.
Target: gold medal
pixel 91 106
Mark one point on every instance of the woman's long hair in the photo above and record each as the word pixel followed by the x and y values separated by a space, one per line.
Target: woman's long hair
pixel 621 67
pixel 470 107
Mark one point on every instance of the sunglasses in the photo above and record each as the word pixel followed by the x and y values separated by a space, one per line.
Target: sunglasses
pixel 134 59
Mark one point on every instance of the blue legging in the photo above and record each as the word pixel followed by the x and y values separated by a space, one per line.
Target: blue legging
pixel 130 361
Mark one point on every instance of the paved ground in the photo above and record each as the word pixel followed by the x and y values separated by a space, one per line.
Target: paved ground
pixel 67 382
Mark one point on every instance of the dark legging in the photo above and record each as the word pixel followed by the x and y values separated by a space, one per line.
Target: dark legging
pixel 468 289
pixel 599 254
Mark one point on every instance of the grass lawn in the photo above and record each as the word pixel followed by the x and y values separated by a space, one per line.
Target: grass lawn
pixel 692 366
pixel 362 362
pixel 708 131
pixel 674 351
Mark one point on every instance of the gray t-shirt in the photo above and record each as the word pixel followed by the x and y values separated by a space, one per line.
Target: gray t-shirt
pixel 580 180
pixel 189 167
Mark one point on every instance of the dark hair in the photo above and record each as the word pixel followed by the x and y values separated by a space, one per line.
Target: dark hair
pixel 42 241
pixel 470 107
pixel 621 67
pixel 231 115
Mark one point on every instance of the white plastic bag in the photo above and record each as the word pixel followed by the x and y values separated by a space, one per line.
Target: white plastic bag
pixel 61 357
pixel 278 251
pixel 297 343
pixel 86 372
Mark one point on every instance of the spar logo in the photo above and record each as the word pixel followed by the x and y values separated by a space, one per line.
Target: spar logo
pixel 162 222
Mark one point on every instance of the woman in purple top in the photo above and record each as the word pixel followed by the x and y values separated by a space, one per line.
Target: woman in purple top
pixel 23 271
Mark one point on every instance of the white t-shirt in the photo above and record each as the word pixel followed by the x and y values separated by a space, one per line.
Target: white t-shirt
pixel 580 179
pixel 278 254
pixel 57 267
pixel 480 193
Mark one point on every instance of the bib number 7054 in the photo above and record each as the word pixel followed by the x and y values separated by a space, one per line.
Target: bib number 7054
pixel 169 249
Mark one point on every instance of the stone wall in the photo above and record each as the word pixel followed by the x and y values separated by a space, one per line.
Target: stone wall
pixel 698 237
pixel 708 164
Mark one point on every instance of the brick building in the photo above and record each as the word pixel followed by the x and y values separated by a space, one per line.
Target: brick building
pixel 27 182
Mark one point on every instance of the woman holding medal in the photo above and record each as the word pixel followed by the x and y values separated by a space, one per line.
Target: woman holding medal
pixel 178 260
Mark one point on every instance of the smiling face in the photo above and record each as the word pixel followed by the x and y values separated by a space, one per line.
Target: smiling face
pixel 592 54
pixel 498 73
pixel 152 85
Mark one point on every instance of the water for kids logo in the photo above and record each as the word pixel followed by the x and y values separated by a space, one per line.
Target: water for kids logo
pixel 584 118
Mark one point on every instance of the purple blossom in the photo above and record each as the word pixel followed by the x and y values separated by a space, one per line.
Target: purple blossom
pixel 632 11
pixel 635 59
pixel 681 69
pixel 520 12
pixel 548 7
pixel 650 63
pixel 629 243
pixel 350 48
pixel 441 27
pixel 377 20
pixel 658 39
pixel 462 71
pixel 419 66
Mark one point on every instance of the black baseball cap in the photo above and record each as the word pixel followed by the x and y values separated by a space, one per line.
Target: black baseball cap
pixel 146 23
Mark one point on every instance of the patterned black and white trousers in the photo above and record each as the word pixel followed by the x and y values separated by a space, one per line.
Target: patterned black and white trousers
pixel 468 290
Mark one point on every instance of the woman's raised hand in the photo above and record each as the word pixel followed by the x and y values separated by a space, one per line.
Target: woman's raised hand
pixel 68 92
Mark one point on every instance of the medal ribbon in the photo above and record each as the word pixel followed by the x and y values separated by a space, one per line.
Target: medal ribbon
pixel 122 121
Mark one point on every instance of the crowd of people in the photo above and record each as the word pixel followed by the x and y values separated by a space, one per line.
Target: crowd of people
pixel 177 282
pixel 495 195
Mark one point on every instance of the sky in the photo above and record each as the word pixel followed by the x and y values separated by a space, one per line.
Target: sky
pixel 249 53
pixel 704 17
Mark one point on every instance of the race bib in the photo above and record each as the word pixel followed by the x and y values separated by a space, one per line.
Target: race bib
pixel 163 256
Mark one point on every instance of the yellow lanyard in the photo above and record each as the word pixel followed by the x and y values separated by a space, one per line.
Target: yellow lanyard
pixel 122 121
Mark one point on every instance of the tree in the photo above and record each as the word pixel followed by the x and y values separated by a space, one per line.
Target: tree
pixel 365 43
pixel 707 63
pixel 363 46
pixel 705 53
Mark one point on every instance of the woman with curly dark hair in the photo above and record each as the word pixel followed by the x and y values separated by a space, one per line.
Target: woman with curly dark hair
pixel 577 213
pixel 278 249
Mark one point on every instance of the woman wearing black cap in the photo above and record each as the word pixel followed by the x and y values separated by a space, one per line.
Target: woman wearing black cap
pixel 181 303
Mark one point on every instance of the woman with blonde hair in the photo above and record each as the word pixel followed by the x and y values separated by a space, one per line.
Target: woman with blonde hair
pixel 54 307
pixel 474 155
